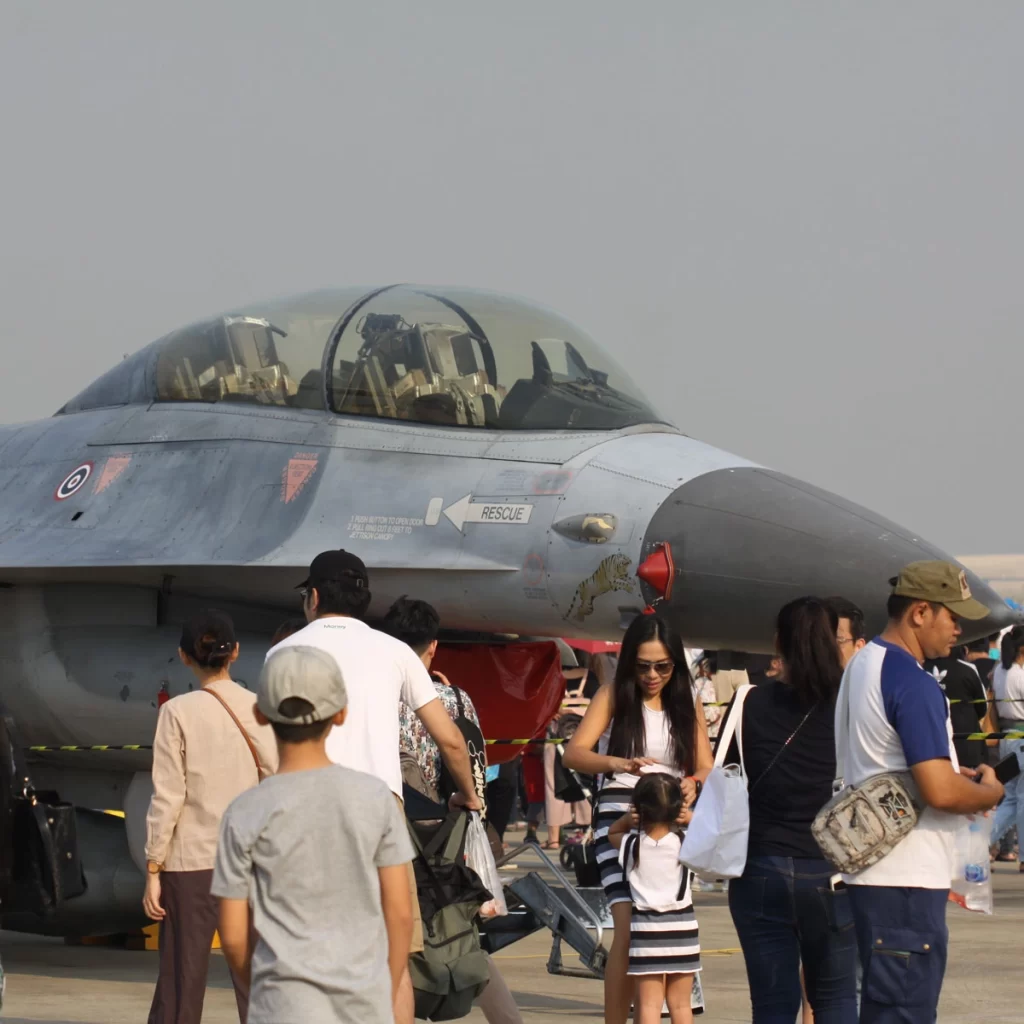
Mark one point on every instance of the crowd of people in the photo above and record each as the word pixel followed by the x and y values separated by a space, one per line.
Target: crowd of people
pixel 868 946
pixel 281 822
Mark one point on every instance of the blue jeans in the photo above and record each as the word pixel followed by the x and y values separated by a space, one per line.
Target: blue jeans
pixel 903 940
pixel 1011 811
pixel 785 914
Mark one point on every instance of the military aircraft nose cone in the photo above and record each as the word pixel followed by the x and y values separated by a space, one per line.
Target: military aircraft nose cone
pixel 746 540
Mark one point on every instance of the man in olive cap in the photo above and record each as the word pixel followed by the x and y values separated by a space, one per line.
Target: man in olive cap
pixel 899 721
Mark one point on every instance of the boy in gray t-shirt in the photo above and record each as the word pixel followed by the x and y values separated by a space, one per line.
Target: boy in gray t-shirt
pixel 315 860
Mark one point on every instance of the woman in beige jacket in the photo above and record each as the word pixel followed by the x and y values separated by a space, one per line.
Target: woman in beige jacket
pixel 208 749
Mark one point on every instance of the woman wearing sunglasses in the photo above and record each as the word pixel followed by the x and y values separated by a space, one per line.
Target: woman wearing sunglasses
pixel 645 720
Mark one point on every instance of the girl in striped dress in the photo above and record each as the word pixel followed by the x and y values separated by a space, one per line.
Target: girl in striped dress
pixel 664 945
pixel 650 715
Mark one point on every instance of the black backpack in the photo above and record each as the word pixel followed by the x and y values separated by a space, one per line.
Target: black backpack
pixel 477 757
pixel 452 969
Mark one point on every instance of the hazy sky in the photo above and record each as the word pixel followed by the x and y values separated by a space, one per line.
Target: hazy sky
pixel 800 224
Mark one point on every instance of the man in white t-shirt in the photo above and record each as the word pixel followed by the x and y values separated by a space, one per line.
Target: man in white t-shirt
pixel 899 720
pixel 379 672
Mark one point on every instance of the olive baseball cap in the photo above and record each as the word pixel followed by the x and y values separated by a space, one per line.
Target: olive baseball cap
pixel 940 583
pixel 305 672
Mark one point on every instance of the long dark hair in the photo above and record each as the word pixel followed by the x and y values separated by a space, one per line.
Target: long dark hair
pixel 1011 645
pixel 805 632
pixel 628 737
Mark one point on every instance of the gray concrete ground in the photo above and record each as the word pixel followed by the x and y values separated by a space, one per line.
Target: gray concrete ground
pixel 52 983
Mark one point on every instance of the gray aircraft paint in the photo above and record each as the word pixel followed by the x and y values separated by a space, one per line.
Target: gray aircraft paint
pixel 186 504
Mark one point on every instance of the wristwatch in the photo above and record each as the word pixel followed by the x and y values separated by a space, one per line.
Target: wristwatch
pixel 154 869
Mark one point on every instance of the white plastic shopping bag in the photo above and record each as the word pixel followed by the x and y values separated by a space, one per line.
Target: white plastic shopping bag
pixel 480 859
pixel 971 884
pixel 715 844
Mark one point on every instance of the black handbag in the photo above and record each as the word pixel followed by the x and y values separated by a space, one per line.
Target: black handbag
pixel 43 856
pixel 583 861
pixel 570 786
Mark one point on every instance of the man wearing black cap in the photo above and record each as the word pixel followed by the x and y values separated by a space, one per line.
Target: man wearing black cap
pixel 379 672
pixel 892 717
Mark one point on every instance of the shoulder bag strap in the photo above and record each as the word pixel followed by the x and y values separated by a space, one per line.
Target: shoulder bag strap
pixel 782 750
pixel 733 726
pixel 241 728
pixel 631 842
pixel 842 732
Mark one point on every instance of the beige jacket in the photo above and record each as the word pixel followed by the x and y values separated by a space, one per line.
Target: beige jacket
pixel 200 764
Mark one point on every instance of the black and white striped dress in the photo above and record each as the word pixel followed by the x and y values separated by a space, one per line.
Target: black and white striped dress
pixel 663 935
pixel 614 799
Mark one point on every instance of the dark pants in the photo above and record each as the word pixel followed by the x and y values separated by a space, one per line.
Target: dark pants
pixel 785 914
pixel 186 934
pixel 903 939
pixel 501 796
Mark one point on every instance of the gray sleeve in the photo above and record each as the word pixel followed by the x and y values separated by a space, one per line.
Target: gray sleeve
pixel 394 847
pixel 233 868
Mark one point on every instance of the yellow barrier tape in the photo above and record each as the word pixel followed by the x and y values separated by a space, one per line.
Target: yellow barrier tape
pixel 97 747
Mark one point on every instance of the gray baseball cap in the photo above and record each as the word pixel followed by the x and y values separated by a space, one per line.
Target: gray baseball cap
pixel 305 672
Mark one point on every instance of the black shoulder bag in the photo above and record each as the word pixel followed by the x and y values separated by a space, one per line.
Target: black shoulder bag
pixel 42 841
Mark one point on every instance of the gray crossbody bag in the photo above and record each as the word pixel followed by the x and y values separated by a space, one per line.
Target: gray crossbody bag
pixel 862 824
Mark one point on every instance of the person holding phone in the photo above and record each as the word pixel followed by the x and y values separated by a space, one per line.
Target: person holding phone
pixel 898 722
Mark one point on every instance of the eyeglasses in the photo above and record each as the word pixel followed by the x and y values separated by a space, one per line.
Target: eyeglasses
pixel 304 593
pixel 844 640
pixel 661 668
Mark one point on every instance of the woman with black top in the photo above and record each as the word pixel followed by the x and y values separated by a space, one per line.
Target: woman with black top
pixel 786 907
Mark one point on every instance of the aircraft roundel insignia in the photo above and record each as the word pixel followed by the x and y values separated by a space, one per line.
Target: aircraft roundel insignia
pixel 74 482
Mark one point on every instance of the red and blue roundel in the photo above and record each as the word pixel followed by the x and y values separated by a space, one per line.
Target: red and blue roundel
pixel 74 482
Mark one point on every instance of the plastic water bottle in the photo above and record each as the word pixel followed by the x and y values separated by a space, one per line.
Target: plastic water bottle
pixel 975 885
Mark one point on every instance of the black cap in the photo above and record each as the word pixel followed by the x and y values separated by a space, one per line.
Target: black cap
pixel 337 567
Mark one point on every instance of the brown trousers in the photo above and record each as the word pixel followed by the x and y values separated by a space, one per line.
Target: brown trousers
pixel 186 935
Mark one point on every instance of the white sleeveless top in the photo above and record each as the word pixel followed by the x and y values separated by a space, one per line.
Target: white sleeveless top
pixel 657 744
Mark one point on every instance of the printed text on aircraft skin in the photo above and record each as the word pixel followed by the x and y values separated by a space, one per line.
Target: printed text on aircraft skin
pixel 380 527
pixel 465 510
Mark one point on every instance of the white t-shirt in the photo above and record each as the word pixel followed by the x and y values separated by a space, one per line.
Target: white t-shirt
pixel 1008 689
pixel 654 882
pixel 379 671
pixel 899 717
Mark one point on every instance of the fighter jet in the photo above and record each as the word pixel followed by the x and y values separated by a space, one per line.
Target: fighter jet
pixel 474 449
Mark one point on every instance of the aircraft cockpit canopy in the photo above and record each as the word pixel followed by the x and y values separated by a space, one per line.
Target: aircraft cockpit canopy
pixel 449 357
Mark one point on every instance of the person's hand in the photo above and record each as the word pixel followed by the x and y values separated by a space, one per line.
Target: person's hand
pixel 685 816
pixel 969 772
pixel 987 777
pixel 151 900
pixel 631 765
pixel 440 677
pixel 468 802
pixel 689 788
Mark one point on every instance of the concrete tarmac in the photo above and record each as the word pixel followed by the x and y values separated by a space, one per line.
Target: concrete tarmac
pixel 50 983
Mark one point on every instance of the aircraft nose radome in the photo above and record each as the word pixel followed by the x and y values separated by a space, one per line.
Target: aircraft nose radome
pixel 747 540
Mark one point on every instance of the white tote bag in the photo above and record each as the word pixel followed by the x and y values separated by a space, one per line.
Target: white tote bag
pixel 716 839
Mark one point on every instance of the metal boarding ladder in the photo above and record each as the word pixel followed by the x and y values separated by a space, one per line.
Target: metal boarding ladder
pixel 566 913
